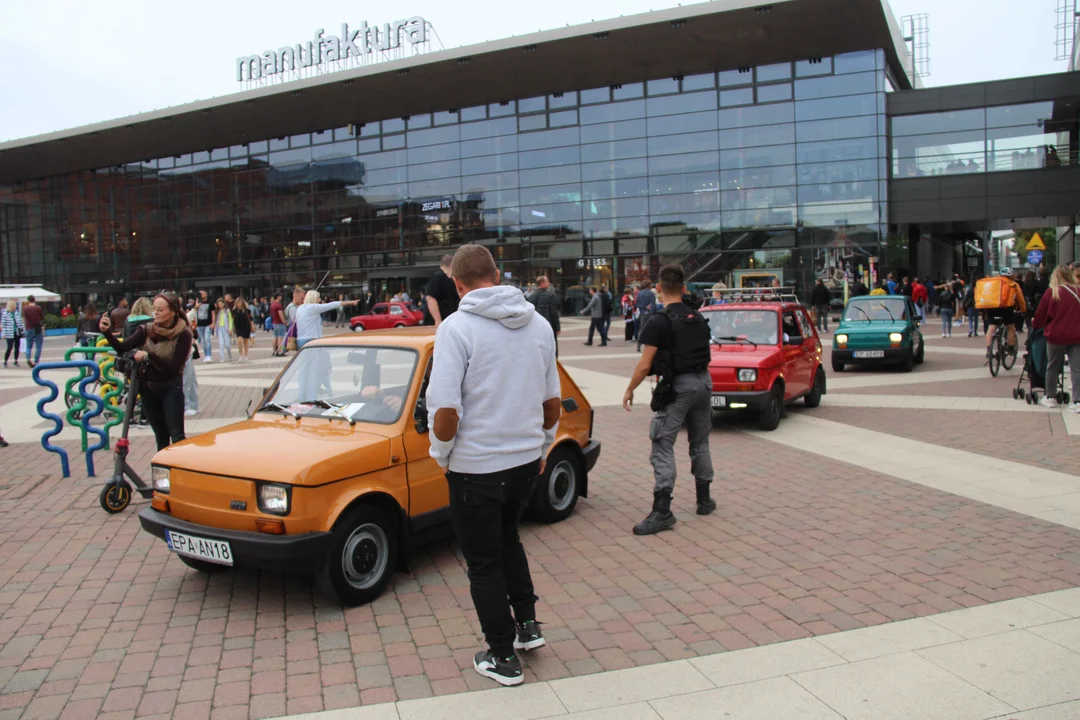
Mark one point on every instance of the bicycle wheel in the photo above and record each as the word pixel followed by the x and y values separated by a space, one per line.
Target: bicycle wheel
pixel 1008 358
pixel 995 355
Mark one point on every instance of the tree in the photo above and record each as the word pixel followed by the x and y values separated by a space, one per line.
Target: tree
pixel 1049 238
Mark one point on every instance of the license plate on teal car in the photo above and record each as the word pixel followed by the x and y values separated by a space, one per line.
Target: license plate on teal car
pixel 867 354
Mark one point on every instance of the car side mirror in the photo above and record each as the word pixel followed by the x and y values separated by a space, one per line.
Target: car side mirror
pixel 420 416
pixel 793 339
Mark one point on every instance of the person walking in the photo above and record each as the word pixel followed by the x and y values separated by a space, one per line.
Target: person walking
pixel 607 309
pixel 241 320
pixel 677 349
pixel 595 310
pixel 342 317
pixel 820 299
pixel 223 329
pixel 890 284
pixel 163 345
pixel 494 450
pixel 1059 317
pixel 34 321
pixel 278 325
pixel 645 305
pixel 12 330
pixel 547 306
pixel 309 316
pixel 947 305
pixel 968 305
pixel 119 314
pixel 204 324
pixel 290 316
pixel 920 297
pixel 189 381
pixel 88 324
pixel 441 298
pixel 858 288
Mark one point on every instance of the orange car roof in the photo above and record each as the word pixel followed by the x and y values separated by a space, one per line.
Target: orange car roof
pixel 418 337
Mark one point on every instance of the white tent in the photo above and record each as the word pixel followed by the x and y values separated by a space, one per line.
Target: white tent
pixel 21 292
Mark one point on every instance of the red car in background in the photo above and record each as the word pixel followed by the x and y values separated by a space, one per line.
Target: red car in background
pixel 388 315
pixel 765 355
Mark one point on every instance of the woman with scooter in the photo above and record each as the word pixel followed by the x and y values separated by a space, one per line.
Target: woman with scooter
pixel 161 348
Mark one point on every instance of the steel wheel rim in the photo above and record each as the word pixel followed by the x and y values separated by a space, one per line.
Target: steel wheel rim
pixel 562 485
pixel 365 555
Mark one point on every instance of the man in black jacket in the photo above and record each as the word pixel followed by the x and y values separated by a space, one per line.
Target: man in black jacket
pixel 820 300
pixel 547 306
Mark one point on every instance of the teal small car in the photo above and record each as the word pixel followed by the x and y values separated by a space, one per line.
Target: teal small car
pixel 878 330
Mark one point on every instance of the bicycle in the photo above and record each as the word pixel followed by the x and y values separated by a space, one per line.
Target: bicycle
pixel 1000 355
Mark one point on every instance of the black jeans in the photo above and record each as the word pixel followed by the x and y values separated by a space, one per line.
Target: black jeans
pixel 163 406
pixel 486 510
pixel 598 324
pixel 12 343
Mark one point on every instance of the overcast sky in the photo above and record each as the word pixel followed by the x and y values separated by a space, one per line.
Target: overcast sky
pixel 121 57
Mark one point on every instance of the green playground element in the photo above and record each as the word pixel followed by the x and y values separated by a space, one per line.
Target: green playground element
pixel 79 402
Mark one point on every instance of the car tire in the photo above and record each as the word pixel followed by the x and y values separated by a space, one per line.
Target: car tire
pixel 399 325
pixel 908 363
pixel 837 366
pixel 358 327
pixel 200 565
pixel 921 355
pixel 769 416
pixel 360 557
pixel 557 490
pixel 813 398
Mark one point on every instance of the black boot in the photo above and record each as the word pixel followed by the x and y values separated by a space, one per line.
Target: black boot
pixel 705 503
pixel 660 518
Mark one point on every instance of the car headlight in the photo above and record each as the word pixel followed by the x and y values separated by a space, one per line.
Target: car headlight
pixel 159 478
pixel 748 376
pixel 896 337
pixel 841 339
pixel 274 499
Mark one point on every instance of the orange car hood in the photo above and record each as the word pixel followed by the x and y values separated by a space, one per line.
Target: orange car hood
pixel 306 453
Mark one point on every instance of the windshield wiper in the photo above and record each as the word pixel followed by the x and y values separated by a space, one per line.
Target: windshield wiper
pixel 282 408
pixel 886 309
pixel 319 403
pixel 856 307
pixel 733 338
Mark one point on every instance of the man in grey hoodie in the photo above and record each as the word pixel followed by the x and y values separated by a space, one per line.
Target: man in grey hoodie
pixel 493 404
pixel 595 311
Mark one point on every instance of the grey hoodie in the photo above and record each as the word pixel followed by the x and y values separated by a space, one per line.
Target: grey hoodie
pixel 495 365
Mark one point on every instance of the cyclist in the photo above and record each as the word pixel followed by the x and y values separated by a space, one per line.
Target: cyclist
pixel 1006 315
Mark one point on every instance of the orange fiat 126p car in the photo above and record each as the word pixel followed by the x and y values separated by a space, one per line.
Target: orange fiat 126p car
pixel 331 473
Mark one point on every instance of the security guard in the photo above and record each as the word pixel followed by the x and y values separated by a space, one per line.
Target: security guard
pixel 676 342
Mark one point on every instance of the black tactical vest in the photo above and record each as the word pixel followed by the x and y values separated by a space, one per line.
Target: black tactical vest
pixel 690 350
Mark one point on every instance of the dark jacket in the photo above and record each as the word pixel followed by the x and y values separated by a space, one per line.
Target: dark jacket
pixel 858 289
pixel 547 307
pixel 820 295
pixel 158 371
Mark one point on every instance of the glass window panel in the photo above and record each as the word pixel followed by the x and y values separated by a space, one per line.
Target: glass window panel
pixel 259 146
pixel 393 142
pixel 851 127
pixel 369 145
pixel 529 105
pixel 734 78
pixel 765 115
pixel 613 150
pixel 684 103
pixel 757 157
pixel 678 124
pixel 546 158
pixel 551 194
pixel 385 193
pixel 596 95
pixel 628 91
pixel 432 170
pixel 627 187
pixel 760 135
pixel 550 175
pixel 866 191
pixel 394 158
pixel 840 107
pixel 1021 148
pixel 560 119
pixel 617 207
pixel 938 122
pixel 759 217
pixel 844 171
pixel 704 81
pixel 612 112
pixel 420 121
pixel 861 61
pixel 852 149
pixel 490 181
pixel 434 136
pixel 474 113
pixel 693 142
pixel 757 177
pixel 810 68
pixel 217 154
pixel 446 117
pixel 669 224
pixel 562 100
pixel 279 144
pixel 748 198
pixel 663 86
pixel 386 176
pixel 852 213
pixel 302 140
pixel 434 153
pixel 446 186
pixel 684 183
pixel 369 129
pixel 550 213
pixel 688 163
pixel 335 150
pixel 625 130
pixel 234 151
pixel 771 73
pixel 505 147
pixel 686 203
pixel 1030 114
pixel 343 133
pixel 835 86
pixel 393 125
pixel 774 93
pixel 318 138
pixel 549 139
pixel 502 109
pixel 613 169
pixel 532 122
pixel 489 163
pixel 743 96
pixel 295 156
pixel 489 128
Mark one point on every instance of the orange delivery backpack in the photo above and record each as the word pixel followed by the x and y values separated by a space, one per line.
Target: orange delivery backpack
pixel 995 292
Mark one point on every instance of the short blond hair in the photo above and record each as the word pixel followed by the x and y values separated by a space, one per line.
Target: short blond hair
pixel 312 297
pixel 472 265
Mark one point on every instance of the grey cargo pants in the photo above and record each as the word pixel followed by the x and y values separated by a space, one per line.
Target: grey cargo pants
pixel 693 406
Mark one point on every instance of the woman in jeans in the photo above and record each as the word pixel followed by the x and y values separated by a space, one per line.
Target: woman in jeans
pixel 223 329
pixel 946 305
pixel 161 349
pixel 1059 314
pixel 11 329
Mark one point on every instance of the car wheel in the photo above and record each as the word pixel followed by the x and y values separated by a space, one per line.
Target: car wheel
pixel 908 363
pixel 837 366
pixel 556 492
pixel 921 355
pixel 358 327
pixel 361 556
pixel 399 325
pixel 813 399
pixel 201 565
pixel 769 417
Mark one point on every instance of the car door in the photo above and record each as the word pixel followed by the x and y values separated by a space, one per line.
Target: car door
pixel 380 317
pixel 796 375
pixel 429 493
pixel 397 315
pixel 811 343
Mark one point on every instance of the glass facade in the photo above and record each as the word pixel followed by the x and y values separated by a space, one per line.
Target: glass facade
pixel 740 175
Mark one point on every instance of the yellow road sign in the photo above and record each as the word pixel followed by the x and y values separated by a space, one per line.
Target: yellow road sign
pixel 1036 243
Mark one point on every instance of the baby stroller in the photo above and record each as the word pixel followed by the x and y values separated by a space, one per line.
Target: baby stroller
pixel 1034 372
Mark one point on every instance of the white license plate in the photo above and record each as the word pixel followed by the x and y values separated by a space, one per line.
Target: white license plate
pixel 869 354
pixel 719 401
pixel 215 551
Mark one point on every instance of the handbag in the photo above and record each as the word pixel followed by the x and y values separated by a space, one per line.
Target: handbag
pixel 195 354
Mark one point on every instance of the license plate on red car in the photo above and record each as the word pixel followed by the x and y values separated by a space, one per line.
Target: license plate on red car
pixel 719 401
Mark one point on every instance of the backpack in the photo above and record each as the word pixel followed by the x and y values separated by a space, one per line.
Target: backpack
pixel 606 305
pixel 691 351
pixel 996 292
pixel 946 298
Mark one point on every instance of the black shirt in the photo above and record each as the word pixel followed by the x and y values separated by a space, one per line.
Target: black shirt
pixel 442 288
pixel 658 332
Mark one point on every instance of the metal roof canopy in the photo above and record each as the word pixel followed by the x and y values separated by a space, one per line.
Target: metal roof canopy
pixel 719 35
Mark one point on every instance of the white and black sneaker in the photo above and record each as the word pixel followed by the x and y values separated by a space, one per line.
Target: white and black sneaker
pixel 505 671
pixel 529 636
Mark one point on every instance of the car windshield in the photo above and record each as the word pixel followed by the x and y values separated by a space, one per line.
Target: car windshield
pixel 742 326
pixel 876 310
pixel 361 384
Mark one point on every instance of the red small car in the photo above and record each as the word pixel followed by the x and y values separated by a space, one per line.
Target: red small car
pixel 765 355
pixel 388 315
